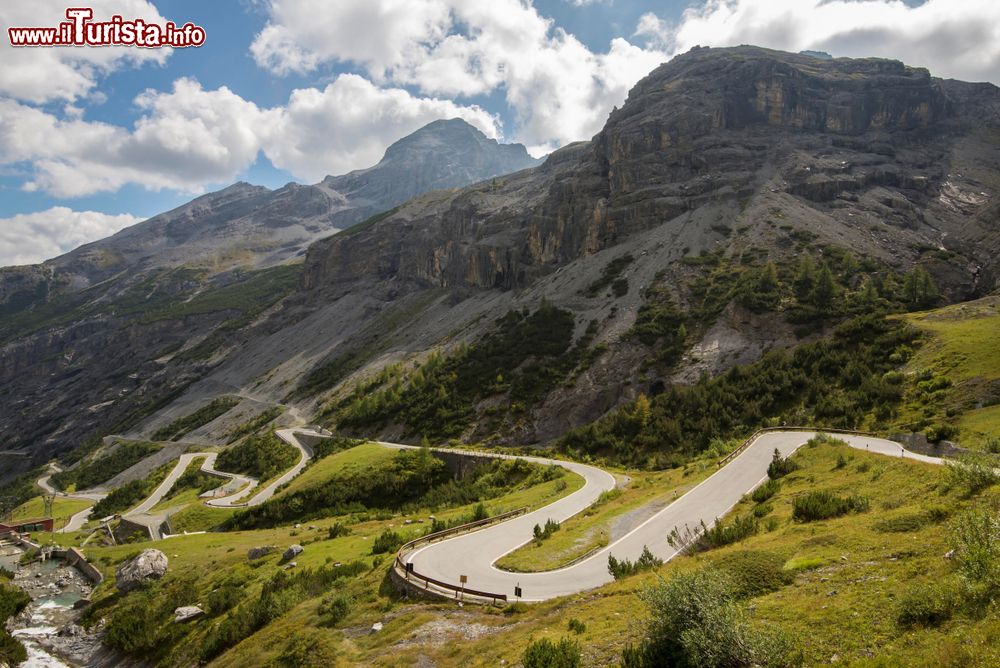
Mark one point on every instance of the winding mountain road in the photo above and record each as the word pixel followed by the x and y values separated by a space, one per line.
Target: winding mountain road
pixel 474 554
pixel 244 484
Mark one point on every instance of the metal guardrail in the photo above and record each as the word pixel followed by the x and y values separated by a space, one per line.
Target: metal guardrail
pixel 753 437
pixel 437 535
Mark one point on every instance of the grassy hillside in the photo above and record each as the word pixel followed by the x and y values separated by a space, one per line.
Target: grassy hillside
pixel 957 372
pixel 212 569
pixel 845 585
pixel 62 509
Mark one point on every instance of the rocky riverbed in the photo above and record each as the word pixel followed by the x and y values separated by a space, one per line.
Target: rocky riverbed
pixel 49 627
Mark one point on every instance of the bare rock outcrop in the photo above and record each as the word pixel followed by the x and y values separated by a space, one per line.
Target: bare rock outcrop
pixel 147 565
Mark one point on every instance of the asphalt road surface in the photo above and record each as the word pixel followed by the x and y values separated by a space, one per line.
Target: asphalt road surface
pixel 474 554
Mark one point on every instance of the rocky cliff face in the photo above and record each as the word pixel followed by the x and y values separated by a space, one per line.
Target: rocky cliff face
pixel 871 139
pixel 737 155
pixel 89 337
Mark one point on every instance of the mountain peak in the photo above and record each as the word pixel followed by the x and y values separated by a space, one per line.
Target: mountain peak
pixel 446 153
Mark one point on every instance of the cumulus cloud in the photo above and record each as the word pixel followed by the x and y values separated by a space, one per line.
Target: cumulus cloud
pixel 190 137
pixel 185 139
pixel 29 238
pixel 952 39
pixel 557 88
pixel 46 74
pixel 349 123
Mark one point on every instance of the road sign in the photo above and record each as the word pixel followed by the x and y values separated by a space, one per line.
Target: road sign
pixel 463 578
pixel 517 591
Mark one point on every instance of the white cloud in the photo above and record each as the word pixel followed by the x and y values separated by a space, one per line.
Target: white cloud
pixel 190 137
pixel 558 89
pixel 349 123
pixel 67 73
pixel 952 39
pixel 28 238
pixel 185 139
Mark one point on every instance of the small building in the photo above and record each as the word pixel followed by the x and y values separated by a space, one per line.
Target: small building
pixel 28 526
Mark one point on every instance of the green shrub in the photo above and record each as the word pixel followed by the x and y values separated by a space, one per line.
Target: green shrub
pixel 131 493
pixel 762 510
pixel 387 541
pixel 337 530
pixel 262 457
pixel 927 604
pixel 258 422
pixel 102 469
pixel 576 626
pixel 971 474
pixel 723 533
pixel 976 536
pixel 183 425
pixel 835 382
pixel 754 572
pixel 335 607
pixel 765 491
pixel 821 505
pixel 609 274
pixel 542 533
pixel 780 466
pixel 912 521
pixel 308 648
pixel 547 654
pixel 647 561
pixel 12 652
pixel 223 599
pixel 697 620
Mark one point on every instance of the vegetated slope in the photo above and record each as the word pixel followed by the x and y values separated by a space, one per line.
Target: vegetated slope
pixel 741 200
pixel 110 332
pixel 954 388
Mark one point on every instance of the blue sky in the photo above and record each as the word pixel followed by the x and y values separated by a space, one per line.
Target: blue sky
pixel 92 139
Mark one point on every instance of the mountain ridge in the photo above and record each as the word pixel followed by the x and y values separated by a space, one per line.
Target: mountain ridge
pixel 720 162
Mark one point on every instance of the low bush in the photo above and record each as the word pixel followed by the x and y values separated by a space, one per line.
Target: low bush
pixel 971 474
pixel 308 648
pixel 102 469
pixel 262 457
pixel 335 607
pixel 223 599
pixel 822 505
pixel 912 521
pixel 547 654
pixel 927 604
pixel 542 533
pixel 576 626
pixel 780 466
pixel 976 537
pixel 337 530
pixel 754 572
pixel 765 491
pixel 647 561
pixel 697 620
pixel 387 541
pixel 184 425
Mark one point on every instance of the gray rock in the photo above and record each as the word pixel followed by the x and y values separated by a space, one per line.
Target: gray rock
pixel 260 552
pixel 376 627
pixel 187 612
pixel 292 552
pixel 148 565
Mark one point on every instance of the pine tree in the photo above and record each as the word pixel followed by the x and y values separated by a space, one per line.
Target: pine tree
pixel 642 410
pixel 825 290
pixel 805 279
pixel 919 290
